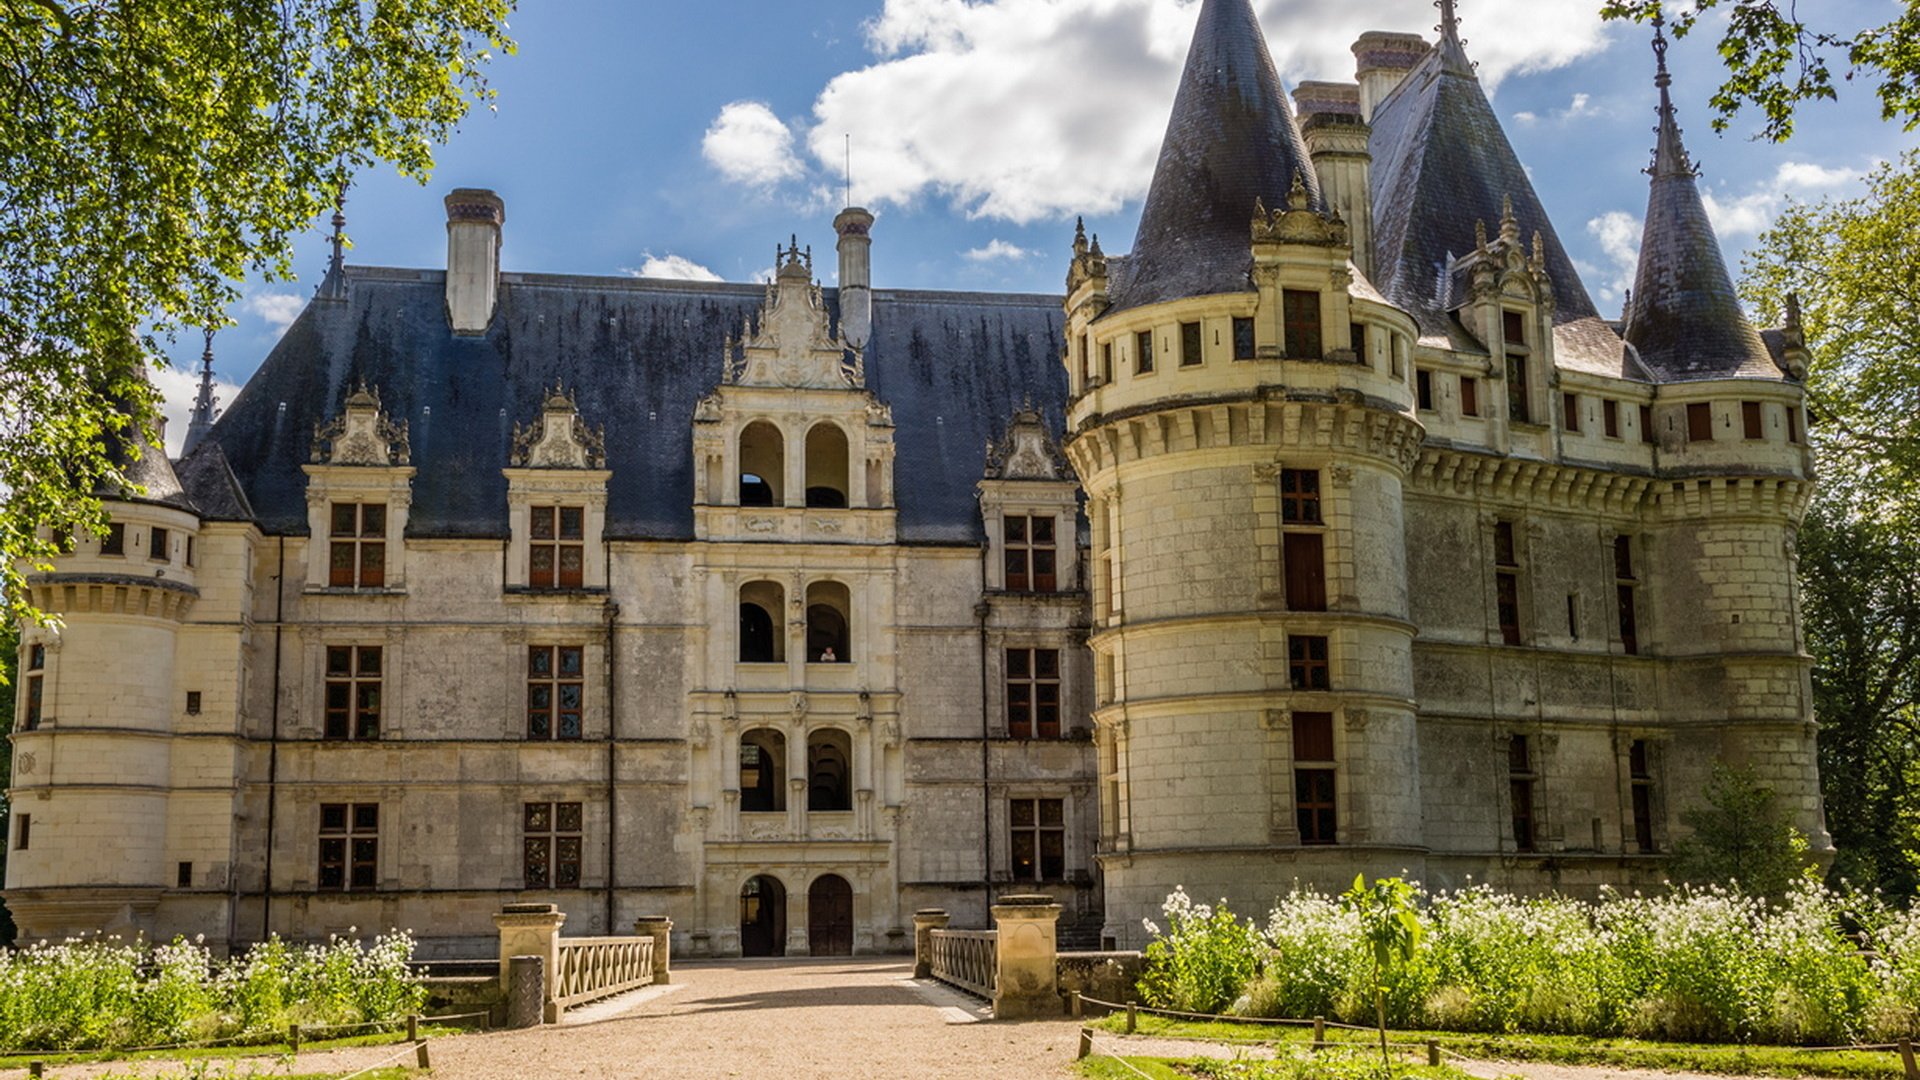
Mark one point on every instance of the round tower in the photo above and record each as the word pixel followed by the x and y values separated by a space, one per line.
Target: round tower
pixel 1242 424
pixel 92 761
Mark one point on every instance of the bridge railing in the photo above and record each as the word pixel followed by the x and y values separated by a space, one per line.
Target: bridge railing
pixel 1014 965
pixel 593 968
pixel 966 959
pixel 574 971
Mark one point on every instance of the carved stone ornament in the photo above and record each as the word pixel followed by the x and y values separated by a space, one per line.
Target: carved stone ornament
pixel 879 414
pixel 700 733
pixel 1341 475
pixel 799 705
pixel 362 435
pixel 558 438
pixel 794 345
pixel 707 411
pixel 1501 266
pixel 1298 222
pixel 1357 719
pixel 1027 451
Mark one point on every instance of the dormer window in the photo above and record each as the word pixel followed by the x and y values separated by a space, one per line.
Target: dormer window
pixel 1301 310
pixel 357 552
pixel 556 554
pixel 762 458
pixel 1513 328
pixel 1031 557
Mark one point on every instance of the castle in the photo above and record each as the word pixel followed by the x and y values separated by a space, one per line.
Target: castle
pixel 1331 529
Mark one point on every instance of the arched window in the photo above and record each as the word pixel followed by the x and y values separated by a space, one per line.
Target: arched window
pixel 827 467
pixel 829 623
pixel 762 465
pixel 829 772
pixel 761 640
pixel 763 771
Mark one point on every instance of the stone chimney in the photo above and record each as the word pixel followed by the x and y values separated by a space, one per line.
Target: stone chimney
pixel 474 217
pixel 1336 139
pixel 1381 60
pixel 856 275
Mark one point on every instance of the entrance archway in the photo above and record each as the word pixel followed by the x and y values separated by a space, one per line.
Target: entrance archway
pixel 763 917
pixel 830 916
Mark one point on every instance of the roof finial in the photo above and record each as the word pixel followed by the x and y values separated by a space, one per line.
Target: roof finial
pixel 1669 154
pixel 200 421
pixel 335 283
pixel 1449 20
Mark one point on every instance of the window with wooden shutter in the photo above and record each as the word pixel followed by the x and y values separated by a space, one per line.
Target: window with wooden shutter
pixel 357 555
pixel 1646 424
pixel 1700 422
pixel 1192 345
pixel 1610 418
pixel 1306 570
pixel 1143 352
pixel 1301 312
pixel 1030 554
pixel 1314 775
pixel 1570 411
pixel 556 555
pixel 1750 421
pixel 1469 396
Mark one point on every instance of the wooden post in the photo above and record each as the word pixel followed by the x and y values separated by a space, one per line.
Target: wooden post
pixel 293 1037
pixel 1131 1018
pixel 36 1068
pixel 1433 1052
pixel 413 1027
pixel 1086 1044
pixel 1073 1003
pixel 1319 1033
pixel 1906 1059
pixel 420 1055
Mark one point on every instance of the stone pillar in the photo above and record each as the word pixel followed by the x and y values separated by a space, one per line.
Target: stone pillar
pixel 925 922
pixel 660 929
pixel 530 930
pixel 526 991
pixel 1026 983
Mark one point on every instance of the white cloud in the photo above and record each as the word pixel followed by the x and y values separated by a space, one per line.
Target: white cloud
pixel 177 388
pixel 749 145
pixel 1580 108
pixel 1751 212
pixel 996 250
pixel 671 268
pixel 277 309
pixel 1028 109
pixel 1618 234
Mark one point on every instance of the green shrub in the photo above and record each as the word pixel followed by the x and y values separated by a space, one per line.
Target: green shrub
pixel 1205 960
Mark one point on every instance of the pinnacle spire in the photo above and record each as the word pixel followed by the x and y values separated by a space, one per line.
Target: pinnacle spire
pixel 200 421
pixel 334 285
pixel 1452 46
pixel 1231 141
pixel 1684 317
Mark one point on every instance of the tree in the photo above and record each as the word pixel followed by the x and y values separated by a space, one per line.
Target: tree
pixel 1776 59
pixel 1739 837
pixel 1392 928
pixel 9 662
pixel 1854 266
pixel 153 153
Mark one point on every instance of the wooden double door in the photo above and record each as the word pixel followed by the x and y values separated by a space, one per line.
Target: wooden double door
pixel 830 916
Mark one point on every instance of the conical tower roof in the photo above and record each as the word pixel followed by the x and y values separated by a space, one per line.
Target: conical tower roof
pixel 150 470
pixel 1231 142
pixel 1685 318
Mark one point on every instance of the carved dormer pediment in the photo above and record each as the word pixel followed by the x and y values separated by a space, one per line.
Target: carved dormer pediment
pixel 1298 222
pixel 558 438
pixel 1502 266
pixel 1027 451
pixel 362 435
pixel 794 345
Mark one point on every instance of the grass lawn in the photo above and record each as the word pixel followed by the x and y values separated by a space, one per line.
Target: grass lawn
pixel 217 1053
pixel 1784 1061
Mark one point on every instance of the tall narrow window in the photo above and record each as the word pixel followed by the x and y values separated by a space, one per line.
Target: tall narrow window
pixel 1469 396
pixel 1570 411
pixel 189 550
pixel 1623 585
pixel 358 555
pixel 1514 329
pixel 158 540
pixel 1646 424
pixel 1032 559
pixel 36 688
pixel 1302 551
pixel 1610 418
pixel 1700 422
pixel 23 833
pixel 1750 423
pixel 1423 389
pixel 1243 341
pixel 1313 777
pixel 1039 839
pixel 1357 341
pixel 1033 693
pixel 115 541
pixel 556 690
pixel 1307 662
pixel 1520 791
pixel 1106 362
pixel 556 557
pixel 1301 311
pixel 550 845
pixel 1506 572
pixel 1191 344
pixel 353 691
pixel 1300 496
pixel 1641 775
pixel 1793 425
pixel 349 845
pixel 1143 352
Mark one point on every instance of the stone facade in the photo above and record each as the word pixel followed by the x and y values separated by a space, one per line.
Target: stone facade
pixel 1277 552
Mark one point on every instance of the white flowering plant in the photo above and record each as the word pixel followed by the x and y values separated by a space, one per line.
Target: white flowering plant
pixel 1203 960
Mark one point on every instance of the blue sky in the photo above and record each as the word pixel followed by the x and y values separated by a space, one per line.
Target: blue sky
pixel 688 138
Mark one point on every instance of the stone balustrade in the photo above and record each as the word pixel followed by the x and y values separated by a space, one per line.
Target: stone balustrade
pixel 1014 965
pixel 575 971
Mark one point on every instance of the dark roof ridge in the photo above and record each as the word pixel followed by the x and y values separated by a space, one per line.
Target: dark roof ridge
pixel 627 282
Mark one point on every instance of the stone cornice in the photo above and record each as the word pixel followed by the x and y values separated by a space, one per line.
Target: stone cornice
pixel 1339 422
pixel 1572 487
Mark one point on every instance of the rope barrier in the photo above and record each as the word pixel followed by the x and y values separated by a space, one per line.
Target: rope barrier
pixel 258 1038
pixel 419 1050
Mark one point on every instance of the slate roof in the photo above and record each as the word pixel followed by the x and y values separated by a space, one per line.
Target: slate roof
pixel 638 354
pixel 1440 162
pixel 150 470
pixel 1685 318
pixel 1231 140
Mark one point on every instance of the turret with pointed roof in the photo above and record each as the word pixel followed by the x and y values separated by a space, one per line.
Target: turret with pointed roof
pixel 1684 317
pixel 1231 142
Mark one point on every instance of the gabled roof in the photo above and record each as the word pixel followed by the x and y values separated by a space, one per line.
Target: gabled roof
pixel 638 355
pixel 1685 318
pixel 1441 162
pixel 1231 141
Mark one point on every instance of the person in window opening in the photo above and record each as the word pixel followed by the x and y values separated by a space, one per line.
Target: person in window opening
pixel 827 657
